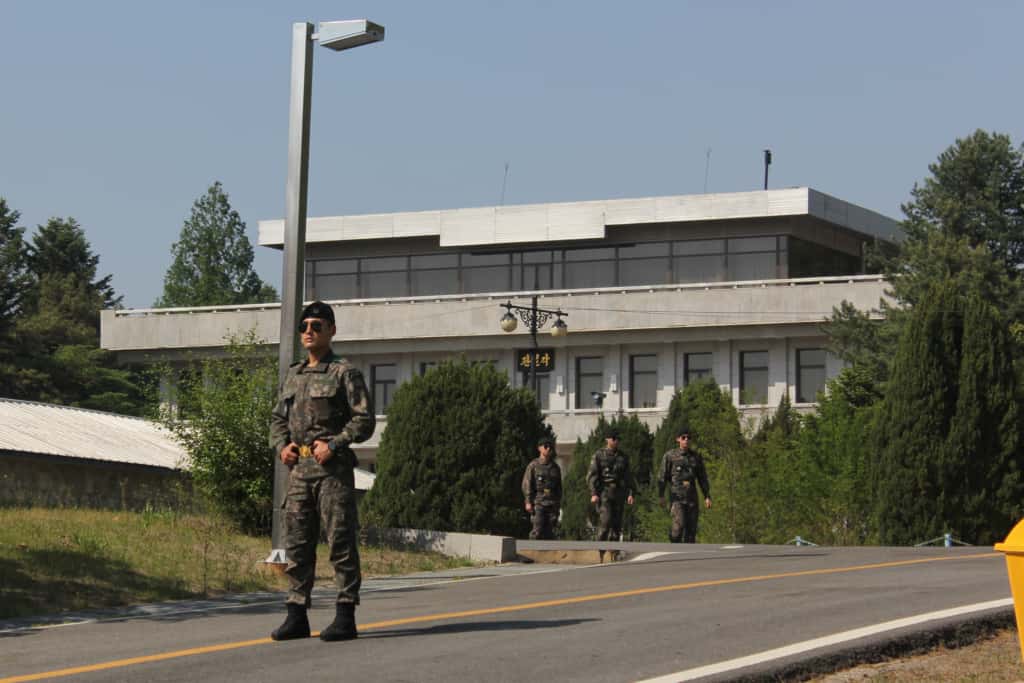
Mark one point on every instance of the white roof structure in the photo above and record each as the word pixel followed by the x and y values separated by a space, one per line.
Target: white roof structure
pixel 48 429
pixel 533 223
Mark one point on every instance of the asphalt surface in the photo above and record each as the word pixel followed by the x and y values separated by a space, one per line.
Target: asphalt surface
pixel 696 606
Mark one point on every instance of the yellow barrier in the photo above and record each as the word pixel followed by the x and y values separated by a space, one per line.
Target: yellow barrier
pixel 1013 547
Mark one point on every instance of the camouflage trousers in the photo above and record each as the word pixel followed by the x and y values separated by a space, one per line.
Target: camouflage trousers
pixel 684 521
pixel 545 517
pixel 609 517
pixel 311 506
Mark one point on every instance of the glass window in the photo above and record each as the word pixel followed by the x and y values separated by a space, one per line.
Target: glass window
pixel 746 245
pixel 380 285
pixel 431 281
pixel 384 378
pixel 643 381
pixel 753 266
pixel 695 247
pixel 428 261
pixel 427 365
pixel 753 377
pixel 329 287
pixel 810 374
pixel 710 268
pixel 543 388
pixel 384 264
pixel 589 381
pixel 644 264
pixel 334 266
pixel 536 257
pixel 812 260
pixel 486 273
pixel 697 366
pixel 603 254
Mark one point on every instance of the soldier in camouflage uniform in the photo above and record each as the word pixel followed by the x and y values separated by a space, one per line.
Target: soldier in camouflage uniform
pixel 542 489
pixel 681 470
pixel 611 486
pixel 323 408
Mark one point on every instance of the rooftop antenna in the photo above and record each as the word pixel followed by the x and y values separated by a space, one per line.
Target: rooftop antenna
pixel 767 163
pixel 503 184
pixel 707 168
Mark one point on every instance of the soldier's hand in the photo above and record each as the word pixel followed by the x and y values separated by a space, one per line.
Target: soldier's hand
pixel 707 503
pixel 290 454
pixel 594 499
pixel 529 507
pixel 322 451
pixel 629 501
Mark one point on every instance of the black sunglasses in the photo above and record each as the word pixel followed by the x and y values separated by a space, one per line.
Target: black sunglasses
pixel 316 325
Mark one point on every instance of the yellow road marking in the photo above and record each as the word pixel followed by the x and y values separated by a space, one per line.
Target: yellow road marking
pixel 206 649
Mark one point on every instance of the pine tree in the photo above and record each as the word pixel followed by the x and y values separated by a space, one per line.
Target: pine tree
pixel 14 277
pixel 453 456
pixel 914 464
pixel 984 490
pixel 213 257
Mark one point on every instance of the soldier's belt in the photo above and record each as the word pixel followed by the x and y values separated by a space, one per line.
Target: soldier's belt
pixel 305 452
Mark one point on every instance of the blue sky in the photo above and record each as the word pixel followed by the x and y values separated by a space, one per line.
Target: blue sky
pixel 121 114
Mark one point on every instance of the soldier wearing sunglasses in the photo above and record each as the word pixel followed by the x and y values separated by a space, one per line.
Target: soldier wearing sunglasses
pixel 323 407
pixel 682 469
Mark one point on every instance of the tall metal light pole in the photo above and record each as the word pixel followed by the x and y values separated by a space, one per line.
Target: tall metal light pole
pixel 535 318
pixel 336 35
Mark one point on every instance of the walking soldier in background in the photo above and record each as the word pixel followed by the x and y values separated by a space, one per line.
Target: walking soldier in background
pixel 611 486
pixel 542 489
pixel 323 408
pixel 681 470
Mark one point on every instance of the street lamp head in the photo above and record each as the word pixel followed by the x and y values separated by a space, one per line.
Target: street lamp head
pixel 508 322
pixel 342 35
pixel 559 328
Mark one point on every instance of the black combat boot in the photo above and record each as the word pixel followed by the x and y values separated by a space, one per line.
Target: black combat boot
pixel 344 625
pixel 296 625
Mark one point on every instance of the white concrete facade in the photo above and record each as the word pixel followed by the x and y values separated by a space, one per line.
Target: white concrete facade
pixel 768 322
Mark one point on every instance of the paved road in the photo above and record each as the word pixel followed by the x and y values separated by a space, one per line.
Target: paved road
pixel 697 606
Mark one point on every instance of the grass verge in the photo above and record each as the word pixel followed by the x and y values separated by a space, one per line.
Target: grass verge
pixel 68 559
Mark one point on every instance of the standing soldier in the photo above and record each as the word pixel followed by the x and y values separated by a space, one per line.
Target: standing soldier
pixel 681 470
pixel 542 489
pixel 322 409
pixel 611 485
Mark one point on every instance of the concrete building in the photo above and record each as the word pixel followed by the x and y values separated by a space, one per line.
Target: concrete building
pixel 657 291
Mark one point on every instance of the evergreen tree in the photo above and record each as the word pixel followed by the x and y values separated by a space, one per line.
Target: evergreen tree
pixel 578 513
pixel 982 482
pixel 213 257
pixel 913 463
pixel 60 248
pixel 453 456
pixel 14 276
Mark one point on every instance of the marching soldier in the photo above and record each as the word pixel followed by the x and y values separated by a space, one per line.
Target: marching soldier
pixel 542 489
pixel 611 486
pixel 681 470
pixel 323 408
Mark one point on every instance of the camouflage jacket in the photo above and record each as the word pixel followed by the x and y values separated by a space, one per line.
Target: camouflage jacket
pixel 542 483
pixel 329 402
pixel 609 474
pixel 681 471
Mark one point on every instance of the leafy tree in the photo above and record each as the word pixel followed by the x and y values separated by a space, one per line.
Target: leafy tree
pixel 453 456
pixel 228 401
pixel 60 248
pixel 14 276
pixel 213 258
pixel 578 513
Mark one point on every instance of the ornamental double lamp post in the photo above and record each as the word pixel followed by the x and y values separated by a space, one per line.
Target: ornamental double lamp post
pixel 535 318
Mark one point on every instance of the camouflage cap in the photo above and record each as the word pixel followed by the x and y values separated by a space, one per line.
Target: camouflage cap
pixel 546 441
pixel 684 431
pixel 318 309
pixel 611 433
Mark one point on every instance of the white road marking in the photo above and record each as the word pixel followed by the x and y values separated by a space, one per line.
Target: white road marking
pixel 651 556
pixel 825 641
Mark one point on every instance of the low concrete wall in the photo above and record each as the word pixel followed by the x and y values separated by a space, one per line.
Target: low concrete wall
pixel 32 479
pixel 479 547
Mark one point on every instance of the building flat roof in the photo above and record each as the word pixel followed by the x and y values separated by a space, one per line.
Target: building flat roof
pixel 559 222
